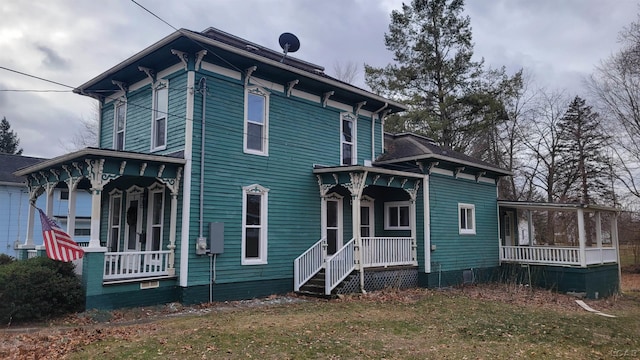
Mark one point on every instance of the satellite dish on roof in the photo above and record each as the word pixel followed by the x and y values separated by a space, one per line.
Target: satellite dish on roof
pixel 288 43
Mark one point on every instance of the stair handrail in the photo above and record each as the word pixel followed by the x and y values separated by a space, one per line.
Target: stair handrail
pixel 309 263
pixel 339 266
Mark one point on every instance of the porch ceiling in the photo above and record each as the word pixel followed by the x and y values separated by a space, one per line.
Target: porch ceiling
pixel 355 178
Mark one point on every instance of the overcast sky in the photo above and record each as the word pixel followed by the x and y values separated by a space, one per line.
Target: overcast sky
pixel 72 41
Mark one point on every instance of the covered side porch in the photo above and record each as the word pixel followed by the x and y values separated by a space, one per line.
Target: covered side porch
pixel 379 207
pixel 566 247
pixel 133 226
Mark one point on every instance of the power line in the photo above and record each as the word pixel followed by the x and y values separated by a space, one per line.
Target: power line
pixel 156 16
pixel 36 77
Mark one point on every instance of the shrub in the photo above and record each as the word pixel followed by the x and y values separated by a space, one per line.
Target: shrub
pixel 6 259
pixel 37 289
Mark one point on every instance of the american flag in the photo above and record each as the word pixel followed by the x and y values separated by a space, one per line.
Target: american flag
pixel 58 243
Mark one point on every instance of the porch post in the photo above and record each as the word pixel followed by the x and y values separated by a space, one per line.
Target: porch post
pixel 598 219
pixel 355 187
pixel 615 242
pixel 582 238
pixel 72 185
pixel 49 205
pixel 412 222
pixel 96 198
pixel 31 212
pixel 171 270
pixel 529 227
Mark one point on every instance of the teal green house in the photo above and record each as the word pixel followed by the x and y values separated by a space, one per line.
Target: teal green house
pixel 227 170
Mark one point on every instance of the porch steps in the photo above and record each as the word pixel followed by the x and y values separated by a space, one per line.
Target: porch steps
pixel 315 286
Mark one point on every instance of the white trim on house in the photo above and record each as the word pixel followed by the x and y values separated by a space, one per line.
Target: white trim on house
pixel 186 182
pixel 368 203
pixel 249 92
pixel 158 115
pixel 426 224
pixel 262 226
pixel 155 188
pixel 349 117
pixel 398 221
pixel 236 75
pixel 115 193
pixel 467 227
pixel 117 106
pixel 339 225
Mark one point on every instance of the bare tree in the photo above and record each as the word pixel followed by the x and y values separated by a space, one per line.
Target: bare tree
pixel 347 71
pixel 615 84
pixel 87 135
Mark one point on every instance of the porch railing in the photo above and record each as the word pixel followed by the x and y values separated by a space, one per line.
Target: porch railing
pixel 388 251
pixel 557 255
pixel 309 263
pixel 601 255
pixel 339 266
pixel 135 264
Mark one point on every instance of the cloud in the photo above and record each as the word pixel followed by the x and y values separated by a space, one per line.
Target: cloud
pixel 52 59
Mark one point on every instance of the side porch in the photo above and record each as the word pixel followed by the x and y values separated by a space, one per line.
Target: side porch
pixel 382 249
pixel 134 219
pixel 569 247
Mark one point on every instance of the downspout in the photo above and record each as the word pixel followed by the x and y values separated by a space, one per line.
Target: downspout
pixel 202 84
pixel 373 131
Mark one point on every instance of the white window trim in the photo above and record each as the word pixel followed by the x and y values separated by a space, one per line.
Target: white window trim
pixel 112 195
pixel 397 204
pixel 116 105
pixel 368 202
pixel 158 85
pixel 256 189
pixel 354 137
pixel 467 231
pixel 340 228
pixel 153 189
pixel 256 90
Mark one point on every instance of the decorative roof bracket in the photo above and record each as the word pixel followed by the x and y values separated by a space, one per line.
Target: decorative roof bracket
pixel 143 167
pixel 247 74
pixel 183 56
pixel 150 73
pixel 479 175
pixel 458 171
pixel 290 86
pixel 432 165
pixel 358 106
pixel 325 98
pixel 122 85
pixel 199 56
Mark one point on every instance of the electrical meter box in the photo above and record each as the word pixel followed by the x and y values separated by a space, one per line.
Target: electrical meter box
pixel 216 237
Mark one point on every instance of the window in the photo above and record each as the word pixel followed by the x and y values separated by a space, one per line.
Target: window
pixel 156 217
pixel 256 121
pixel 64 194
pixel 119 125
pixel 254 225
pixel 160 109
pixel 467 218
pixel 115 213
pixel 396 216
pixel 348 139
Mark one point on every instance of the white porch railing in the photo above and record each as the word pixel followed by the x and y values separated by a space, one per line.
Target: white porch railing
pixel 551 255
pixel 339 266
pixel 601 255
pixel 135 264
pixel 388 251
pixel 309 263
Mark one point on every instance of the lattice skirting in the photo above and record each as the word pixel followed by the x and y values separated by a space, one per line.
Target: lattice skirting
pixel 378 279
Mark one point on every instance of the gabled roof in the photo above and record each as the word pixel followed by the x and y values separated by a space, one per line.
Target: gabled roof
pixel 237 54
pixel 407 147
pixel 10 163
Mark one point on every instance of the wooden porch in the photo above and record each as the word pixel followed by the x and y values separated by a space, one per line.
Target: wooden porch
pixel 371 252
pixel 563 256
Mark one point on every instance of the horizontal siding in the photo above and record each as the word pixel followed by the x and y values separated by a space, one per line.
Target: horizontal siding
pixel 301 133
pixel 455 251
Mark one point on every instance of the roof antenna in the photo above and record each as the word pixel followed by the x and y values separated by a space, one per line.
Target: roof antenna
pixel 288 43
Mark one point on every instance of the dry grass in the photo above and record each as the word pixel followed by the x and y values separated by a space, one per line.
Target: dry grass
pixel 479 322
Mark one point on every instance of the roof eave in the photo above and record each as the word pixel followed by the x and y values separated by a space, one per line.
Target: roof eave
pixel 97 153
pixel 358 168
pixel 495 170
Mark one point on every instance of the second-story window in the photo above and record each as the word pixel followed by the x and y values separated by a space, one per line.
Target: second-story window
pixel 348 139
pixel 119 125
pixel 256 123
pixel 160 109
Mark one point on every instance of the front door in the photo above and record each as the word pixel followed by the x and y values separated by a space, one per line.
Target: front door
pixel 333 224
pixel 133 229
pixel 366 219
